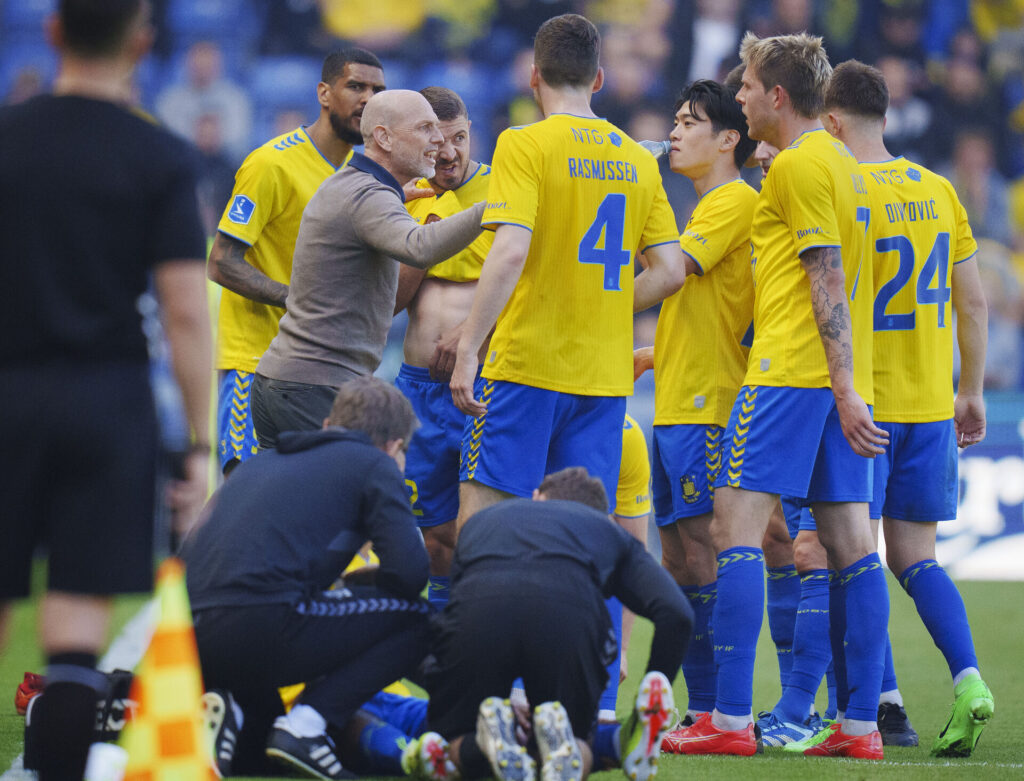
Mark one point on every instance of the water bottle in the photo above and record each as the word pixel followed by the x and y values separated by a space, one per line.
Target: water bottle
pixel 656 148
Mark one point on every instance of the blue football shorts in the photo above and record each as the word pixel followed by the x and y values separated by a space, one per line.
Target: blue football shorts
pixel 788 441
pixel 529 432
pixel 917 478
pixel 234 417
pixel 686 459
pixel 799 518
pixel 432 463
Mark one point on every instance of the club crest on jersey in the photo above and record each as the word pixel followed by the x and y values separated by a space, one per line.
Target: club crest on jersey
pixel 615 138
pixel 241 209
pixel 691 493
pixel 914 174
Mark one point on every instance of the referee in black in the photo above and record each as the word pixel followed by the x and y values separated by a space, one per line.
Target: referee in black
pixel 95 202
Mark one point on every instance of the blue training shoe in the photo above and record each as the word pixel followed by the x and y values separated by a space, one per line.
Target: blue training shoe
pixel 776 733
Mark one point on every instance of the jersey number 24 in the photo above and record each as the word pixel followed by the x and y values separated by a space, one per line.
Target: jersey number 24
pixel 935 269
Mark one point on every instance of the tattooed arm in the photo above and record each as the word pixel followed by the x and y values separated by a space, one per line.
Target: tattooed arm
pixel 824 269
pixel 229 268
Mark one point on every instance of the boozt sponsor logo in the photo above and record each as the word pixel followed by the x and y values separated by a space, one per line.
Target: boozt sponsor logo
pixel 807 232
pixel 241 209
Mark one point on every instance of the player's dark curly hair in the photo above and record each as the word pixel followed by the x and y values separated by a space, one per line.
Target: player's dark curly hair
pixel 376 408
pixel 566 51
pixel 575 484
pixel 706 99
pixel 335 62
pixel 859 89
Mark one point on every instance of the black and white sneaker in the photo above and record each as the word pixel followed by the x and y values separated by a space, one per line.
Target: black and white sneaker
pixel 895 726
pixel 30 757
pixel 316 757
pixel 220 728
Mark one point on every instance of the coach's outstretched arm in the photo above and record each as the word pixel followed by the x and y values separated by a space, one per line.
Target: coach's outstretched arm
pixel 181 290
pixel 824 268
pixel 971 335
pixel 498 279
pixel 664 275
pixel 385 225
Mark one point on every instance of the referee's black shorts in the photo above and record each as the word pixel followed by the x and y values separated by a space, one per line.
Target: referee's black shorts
pixel 556 636
pixel 77 474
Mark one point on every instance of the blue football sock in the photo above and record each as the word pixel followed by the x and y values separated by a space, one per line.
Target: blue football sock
pixel 699 662
pixel 837 634
pixel 381 746
pixel 408 714
pixel 942 610
pixel 830 686
pixel 783 593
pixel 606 746
pixel 610 695
pixel 437 590
pixel 867 622
pixel 889 671
pixel 736 625
pixel 811 648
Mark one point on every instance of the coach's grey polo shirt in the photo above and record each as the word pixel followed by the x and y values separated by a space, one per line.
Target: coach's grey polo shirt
pixel 341 298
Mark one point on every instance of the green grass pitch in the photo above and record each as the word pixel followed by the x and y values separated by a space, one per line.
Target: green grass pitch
pixel 997 618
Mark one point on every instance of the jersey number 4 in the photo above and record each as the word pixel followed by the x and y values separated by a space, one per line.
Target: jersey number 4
pixel 936 268
pixel 610 222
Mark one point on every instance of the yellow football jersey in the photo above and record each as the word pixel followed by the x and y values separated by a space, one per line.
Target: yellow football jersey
pixel 633 496
pixel 272 188
pixel 699 358
pixel 592 197
pixel 918 231
pixel 813 196
pixel 464 266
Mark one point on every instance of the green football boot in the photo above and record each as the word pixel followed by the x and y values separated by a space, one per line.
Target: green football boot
pixel 972 710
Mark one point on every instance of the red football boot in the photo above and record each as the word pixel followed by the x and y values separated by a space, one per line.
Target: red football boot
pixel 31 686
pixel 705 738
pixel 839 744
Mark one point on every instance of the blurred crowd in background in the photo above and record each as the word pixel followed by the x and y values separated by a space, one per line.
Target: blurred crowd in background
pixel 230 74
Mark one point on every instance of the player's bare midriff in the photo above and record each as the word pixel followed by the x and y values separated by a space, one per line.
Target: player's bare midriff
pixel 439 306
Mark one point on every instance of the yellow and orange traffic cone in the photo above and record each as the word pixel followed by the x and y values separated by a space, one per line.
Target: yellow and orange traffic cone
pixel 163 738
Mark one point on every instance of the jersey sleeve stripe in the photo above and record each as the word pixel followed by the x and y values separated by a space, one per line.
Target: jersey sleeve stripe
pixel 700 267
pixel 490 223
pixel 658 244
pixel 233 236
